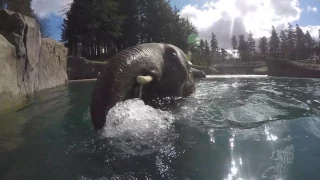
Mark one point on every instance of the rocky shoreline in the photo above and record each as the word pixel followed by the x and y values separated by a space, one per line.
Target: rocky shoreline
pixel 28 63
pixel 287 68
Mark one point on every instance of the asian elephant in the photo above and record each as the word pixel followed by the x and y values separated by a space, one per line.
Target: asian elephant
pixel 162 69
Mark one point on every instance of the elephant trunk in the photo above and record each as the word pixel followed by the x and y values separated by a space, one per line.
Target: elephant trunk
pixel 119 79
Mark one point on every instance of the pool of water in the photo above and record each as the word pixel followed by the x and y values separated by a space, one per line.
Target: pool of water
pixel 233 128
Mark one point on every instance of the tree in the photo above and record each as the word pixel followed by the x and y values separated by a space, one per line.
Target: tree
pixel 21 6
pixel 310 42
pixel 214 48
pixel 251 46
pixel 213 43
pixel 274 44
pixel 285 51
pixel 223 55
pixel 3 3
pixel 263 47
pixel 44 25
pixel 103 27
pixel 234 44
pixel 243 48
pixel 290 42
pixel 207 53
pixel 201 51
pixel 319 36
pixel 300 43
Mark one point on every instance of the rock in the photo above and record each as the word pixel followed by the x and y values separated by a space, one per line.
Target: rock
pixel 198 73
pixel 10 92
pixel 52 66
pixel 32 66
pixel 287 68
pixel 80 68
pixel 206 70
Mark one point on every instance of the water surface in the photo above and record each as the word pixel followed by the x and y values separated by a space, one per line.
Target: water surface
pixel 232 128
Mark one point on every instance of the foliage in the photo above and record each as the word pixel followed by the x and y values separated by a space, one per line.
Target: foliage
pixel 21 6
pixel 44 25
pixel 263 47
pixel 234 44
pixel 274 44
pixel 251 46
pixel 103 27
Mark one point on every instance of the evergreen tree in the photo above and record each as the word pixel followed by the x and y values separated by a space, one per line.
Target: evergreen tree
pixel 207 53
pixel 3 3
pixel 251 46
pixel 21 6
pixel 214 48
pixel 310 42
pixel 201 52
pixel 285 51
pixel 223 55
pixel 263 47
pixel 290 42
pixel 213 43
pixel 274 44
pixel 107 26
pixel 44 25
pixel 300 43
pixel 243 48
pixel 234 44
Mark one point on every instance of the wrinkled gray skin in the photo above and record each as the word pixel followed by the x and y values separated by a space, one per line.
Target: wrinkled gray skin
pixel 167 64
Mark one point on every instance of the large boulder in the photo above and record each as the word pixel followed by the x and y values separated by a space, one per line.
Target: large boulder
pixel 52 66
pixel 10 91
pixel 206 70
pixel 198 73
pixel 287 68
pixel 81 68
pixel 32 66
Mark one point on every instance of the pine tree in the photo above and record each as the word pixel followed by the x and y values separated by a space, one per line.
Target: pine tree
pixel 223 55
pixel 274 44
pixel 234 44
pixel 310 42
pixel 21 6
pixel 263 47
pixel 284 45
pixel 207 53
pixel 214 48
pixel 3 3
pixel 243 48
pixel 300 43
pixel 213 43
pixel 251 46
pixel 291 42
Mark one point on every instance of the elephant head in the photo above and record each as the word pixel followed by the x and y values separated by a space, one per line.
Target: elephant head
pixel 166 66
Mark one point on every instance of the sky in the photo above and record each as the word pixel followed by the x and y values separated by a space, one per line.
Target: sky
pixel 222 17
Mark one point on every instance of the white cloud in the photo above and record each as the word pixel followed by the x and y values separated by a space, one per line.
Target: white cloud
pixel 312 9
pixel 234 17
pixel 46 7
pixel 313 30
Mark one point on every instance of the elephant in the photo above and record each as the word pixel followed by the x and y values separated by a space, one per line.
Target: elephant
pixel 162 69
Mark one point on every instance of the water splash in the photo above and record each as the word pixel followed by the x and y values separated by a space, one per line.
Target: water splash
pixel 137 128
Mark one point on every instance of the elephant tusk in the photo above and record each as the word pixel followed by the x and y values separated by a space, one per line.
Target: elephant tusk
pixel 142 80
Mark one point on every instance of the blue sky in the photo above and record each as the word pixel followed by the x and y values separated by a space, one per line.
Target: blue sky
pixel 222 17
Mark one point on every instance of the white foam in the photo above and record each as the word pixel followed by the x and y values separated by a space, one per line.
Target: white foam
pixel 137 126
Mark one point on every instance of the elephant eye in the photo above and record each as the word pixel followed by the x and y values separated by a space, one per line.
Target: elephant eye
pixel 174 55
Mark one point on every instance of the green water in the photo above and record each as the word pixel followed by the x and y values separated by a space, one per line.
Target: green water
pixel 233 128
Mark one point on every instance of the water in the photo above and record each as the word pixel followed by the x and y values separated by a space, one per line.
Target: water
pixel 237 128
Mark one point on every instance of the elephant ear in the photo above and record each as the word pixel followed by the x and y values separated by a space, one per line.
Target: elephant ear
pixel 170 54
pixel 174 58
